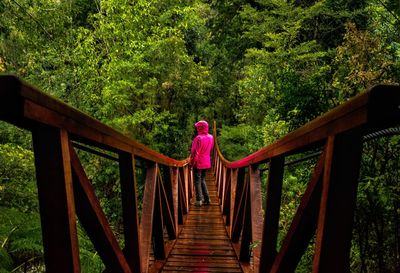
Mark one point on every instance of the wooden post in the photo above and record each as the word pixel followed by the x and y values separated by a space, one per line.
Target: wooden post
pixel 227 198
pixel 167 206
pixel 255 202
pixel 234 180
pixel 272 209
pixel 237 214
pixel 245 241
pixel 182 192
pixel 186 181
pixel 158 225
pixel 221 193
pixel 130 211
pixel 219 179
pixel 190 184
pixel 174 176
pixel 56 199
pixel 338 199
pixel 146 224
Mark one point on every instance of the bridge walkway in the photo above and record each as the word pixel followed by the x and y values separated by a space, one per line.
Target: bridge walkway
pixel 203 244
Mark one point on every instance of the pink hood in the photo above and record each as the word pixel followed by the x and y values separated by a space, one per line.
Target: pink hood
pixel 202 145
pixel 202 127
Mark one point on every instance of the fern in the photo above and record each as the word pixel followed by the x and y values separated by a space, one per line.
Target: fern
pixel 90 260
pixel 20 238
pixel 5 261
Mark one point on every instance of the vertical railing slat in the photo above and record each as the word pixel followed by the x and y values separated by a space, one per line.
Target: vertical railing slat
pixel 174 176
pixel 219 180
pixel 146 223
pixel 167 206
pixel 234 181
pixel 56 199
pixel 182 191
pixel 221 193
pixel 256 213
pixel 272 211
pixel 241 196
pixel 216 170
pixel 190 184
pixel 187 176
pixel 338 199
pixel 130 211
pixel 244 255
pixel 158 225
pixel 227 198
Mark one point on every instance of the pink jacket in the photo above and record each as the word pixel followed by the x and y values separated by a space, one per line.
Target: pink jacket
pixel 201 147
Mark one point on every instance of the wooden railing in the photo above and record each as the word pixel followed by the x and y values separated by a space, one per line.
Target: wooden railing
pixel 66 192
pixel 327 206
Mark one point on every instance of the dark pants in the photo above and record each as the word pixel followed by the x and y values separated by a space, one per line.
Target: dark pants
pixel 200 185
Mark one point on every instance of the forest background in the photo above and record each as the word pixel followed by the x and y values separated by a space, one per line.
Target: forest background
pixel 150 69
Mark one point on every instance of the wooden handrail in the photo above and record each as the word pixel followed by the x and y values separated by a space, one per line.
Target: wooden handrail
pixel 372 110
pixel 330 194
pixel 66 192
pixel 21 104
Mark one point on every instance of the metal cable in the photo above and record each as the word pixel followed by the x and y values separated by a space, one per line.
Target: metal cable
pixel 385 132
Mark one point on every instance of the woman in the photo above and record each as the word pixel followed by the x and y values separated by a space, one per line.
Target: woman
pixel 200 160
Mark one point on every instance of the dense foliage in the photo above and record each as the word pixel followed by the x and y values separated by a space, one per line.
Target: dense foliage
pixel 151 68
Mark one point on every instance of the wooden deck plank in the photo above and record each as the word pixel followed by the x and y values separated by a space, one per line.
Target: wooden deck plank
pixel 200 269
pixel 203 244
pixel 214 264
pixel 209 242
pixel 211 259
pixel 199 246
pixel 203 234
pixel 204 252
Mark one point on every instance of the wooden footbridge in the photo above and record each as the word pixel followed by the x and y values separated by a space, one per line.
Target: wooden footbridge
pixel 237 232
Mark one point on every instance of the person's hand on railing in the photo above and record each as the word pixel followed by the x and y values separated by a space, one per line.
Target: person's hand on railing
pixel 190 163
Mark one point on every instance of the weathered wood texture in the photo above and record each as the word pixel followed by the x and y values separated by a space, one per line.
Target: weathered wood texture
pixel 203 244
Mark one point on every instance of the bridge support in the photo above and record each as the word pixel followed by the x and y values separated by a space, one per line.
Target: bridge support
pixel 56 199
pixel 272 209
pixel 130 211
pixel 337 205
